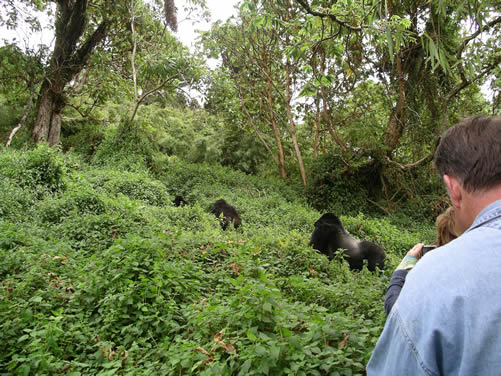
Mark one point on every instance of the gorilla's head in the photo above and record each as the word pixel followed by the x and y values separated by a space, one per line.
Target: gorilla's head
pixel 329 219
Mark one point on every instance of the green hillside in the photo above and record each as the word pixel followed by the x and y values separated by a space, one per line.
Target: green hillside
pixel 101 275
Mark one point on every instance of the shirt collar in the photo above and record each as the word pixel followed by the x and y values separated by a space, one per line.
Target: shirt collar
pixel 487 214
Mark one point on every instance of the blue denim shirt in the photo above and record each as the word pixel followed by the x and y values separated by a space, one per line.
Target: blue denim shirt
pixel 447 319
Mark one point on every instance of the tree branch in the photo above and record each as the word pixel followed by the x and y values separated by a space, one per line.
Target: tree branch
pixel 476 34
pixel 27 110
pixel 148 93
pixel 332 17
pixel 410 166
pixel 80 58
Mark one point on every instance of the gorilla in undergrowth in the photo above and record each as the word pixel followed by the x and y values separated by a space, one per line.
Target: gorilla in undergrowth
pixel 329 236
pixel 179 201
pixel 228 212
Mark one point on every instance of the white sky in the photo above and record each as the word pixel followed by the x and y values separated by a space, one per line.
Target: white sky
pixel 219 9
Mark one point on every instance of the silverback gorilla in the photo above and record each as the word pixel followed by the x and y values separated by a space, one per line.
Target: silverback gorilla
pixel 229 213
pixel 329 236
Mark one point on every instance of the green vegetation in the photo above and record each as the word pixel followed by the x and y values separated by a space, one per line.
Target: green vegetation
pixel 102 275
pixel 315 106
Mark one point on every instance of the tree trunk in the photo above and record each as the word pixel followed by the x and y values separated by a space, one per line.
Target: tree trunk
pixel 316 142
pixel 396 123
pixel 48 119
pixel 274 125
pixel 67 60
pixel 325 109
pixel 292 126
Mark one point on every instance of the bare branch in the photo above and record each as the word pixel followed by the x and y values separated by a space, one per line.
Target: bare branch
pixel 148 93
pixel 76 109
pixel 27 110
pixel 410 166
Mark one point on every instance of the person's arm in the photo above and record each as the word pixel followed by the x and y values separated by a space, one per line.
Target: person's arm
pixel 396 283
pixel 398 278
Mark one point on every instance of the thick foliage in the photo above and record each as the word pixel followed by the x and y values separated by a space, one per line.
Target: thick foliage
pixel 126 147
pixel 344 185
pixel 39 168
pixel 101 275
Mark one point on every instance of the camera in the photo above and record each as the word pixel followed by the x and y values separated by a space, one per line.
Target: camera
pixel 427 248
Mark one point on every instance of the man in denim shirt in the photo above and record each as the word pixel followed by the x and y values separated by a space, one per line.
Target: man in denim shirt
pixel 447 318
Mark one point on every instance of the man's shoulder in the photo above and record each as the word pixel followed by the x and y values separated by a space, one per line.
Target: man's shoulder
pixel 465 269
pixel 480 245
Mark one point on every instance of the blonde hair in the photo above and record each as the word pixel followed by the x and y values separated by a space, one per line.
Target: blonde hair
pixel 446 227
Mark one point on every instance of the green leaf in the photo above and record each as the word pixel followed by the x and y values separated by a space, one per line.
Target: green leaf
pixel 308 91
pixel 274 352
pixel 251 336
pixel 261 350
pixel 36 299
pixel 267 307
pixel 244 369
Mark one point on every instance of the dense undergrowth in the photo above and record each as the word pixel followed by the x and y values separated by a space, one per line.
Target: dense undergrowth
pixel 101 275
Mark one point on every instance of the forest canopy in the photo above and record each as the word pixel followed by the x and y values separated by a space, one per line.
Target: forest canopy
pixel 315 92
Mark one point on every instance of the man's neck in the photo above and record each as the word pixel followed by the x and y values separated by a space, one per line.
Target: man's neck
pixel 478 201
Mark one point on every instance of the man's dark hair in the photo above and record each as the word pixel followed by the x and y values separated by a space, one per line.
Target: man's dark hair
pixel 471 152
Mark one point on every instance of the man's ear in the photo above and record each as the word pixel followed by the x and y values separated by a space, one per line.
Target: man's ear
pixel 455 190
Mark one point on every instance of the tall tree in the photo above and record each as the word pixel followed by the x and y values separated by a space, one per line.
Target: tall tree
pixel 251 54
pixel 69 57
pixel 421 50
pixel 265 74
pixel 80 26
pixel 157 61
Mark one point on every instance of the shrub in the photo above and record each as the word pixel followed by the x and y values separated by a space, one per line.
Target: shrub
pixel 14 200
pixel 125 147
pixel 41 168
pixel 77 200
pixel 134 185
pixel 343 187
pixel 82 138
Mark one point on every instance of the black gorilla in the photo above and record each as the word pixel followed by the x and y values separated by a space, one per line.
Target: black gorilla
pixel 229 213
pixel 179 201
pixel 329 236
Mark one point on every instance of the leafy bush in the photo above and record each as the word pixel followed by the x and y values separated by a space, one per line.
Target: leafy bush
pixel 81 137
pixel 125 147
pixel 14 201
pixel 134 185
pixel 240 150
pixel 41 168
pixel 343 187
